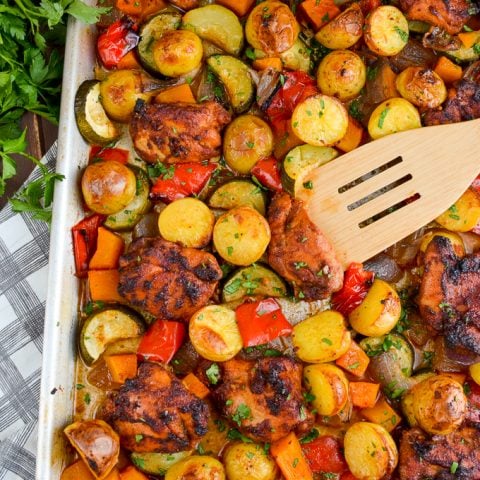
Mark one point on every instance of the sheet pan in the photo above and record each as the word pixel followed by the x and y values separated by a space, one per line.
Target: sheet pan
pixel 59 351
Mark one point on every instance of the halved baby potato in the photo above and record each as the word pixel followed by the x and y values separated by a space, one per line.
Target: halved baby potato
pixel 247 139
pixel 320 120
pixel 272 27
pixel 187 221
pixel 214 333
pixel 321 338
pixel 241 236
pixel 119 92
pixel 379 311
pixel 218 25
pixel 177 52
pixel 249 461
pixel 392 116
pixel 329 385
pixel 237 193
pixel 386 30
pixel 341 74
pixel 422 87
pixel 200 467
pixel 108 186
pixel 463 215
pixel 344 30
pixel 370 451
pixel 97 444
pixel 439 404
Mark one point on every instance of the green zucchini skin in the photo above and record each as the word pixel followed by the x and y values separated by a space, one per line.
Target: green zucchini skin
pixel 253 280
pixel 238 192
pixel 236 78
pixel 132 213
pixel 92 121
pixel 300 161
pixel 152 30
pixel 106 326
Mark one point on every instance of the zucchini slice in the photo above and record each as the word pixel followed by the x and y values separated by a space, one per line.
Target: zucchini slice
pixel 236 193
pixel 235 76
pixel 464 54
pixel 299 162
pixel 107 326
pixel 218 25
pixel 253 280
pixel 155 463
pixel 152 30
pixel 132 213
pixel 92 121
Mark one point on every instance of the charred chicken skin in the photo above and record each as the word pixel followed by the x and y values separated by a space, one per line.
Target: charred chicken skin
pixel 463 103
pixel 450 15
pixel 154 412
pixel 263 398
pixel 167 280
pixel 299 251
pixel 178 132
pixel 449 294
pixel 422 457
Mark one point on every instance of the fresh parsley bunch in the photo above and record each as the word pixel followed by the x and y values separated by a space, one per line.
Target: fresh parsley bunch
pixel 31 37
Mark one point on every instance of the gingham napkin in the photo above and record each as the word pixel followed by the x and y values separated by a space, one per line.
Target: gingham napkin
pixel 24 245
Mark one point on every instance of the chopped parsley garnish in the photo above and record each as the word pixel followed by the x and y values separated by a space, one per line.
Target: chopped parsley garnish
pixel 213 373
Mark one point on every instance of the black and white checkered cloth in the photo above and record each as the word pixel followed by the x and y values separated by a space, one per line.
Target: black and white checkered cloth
pixel 24 245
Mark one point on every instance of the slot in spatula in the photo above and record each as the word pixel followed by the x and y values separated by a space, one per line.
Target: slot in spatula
pixel 368 199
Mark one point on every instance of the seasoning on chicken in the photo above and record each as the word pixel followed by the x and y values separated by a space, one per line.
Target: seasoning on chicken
pixel 154 412
pixel 178 132
pixel 450 15
pixel 263 398
pixel 443 457
pixel 463 103
pixel 167 280
pixel 300 252
pixel 449 294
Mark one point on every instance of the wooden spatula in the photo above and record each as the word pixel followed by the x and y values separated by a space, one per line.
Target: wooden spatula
pixel 366 200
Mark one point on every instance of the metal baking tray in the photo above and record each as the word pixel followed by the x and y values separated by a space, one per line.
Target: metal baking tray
pixel 59 348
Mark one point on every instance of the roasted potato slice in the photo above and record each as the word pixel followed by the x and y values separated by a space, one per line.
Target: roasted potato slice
pixel 187 221
pixel 463 215
pixel 329 385
pixel 321 338
pixel 199 467
pixel 344 30
pixel 272 27
pixel 241 236
pixel 214 333
pixel 392 116
pixel 379 311
pixel 247 139
pixel 341 74
pixel 320 120
pixel 108 186
pixel 422 87
pixel 97 444
pixel 244 461
pixel 236 193
pixel 386 31
pixel 177 52
pixel 370 451
pixel 439 404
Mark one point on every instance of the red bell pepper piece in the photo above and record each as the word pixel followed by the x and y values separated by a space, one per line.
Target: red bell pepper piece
pixel 368 5
pixel 267 172
pixel 348 476
pixel 261 322
pixel 117 40
pixel 185 179
pixel 84 236
pixel 297 87
pixel 116 154
pixel 161 341
pixel 324 454
pixel 356 284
